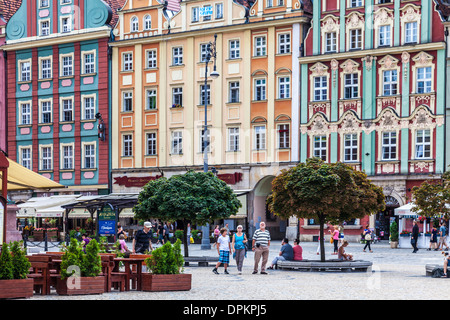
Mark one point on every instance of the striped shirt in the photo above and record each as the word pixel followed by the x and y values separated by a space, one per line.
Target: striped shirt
pixel 261 237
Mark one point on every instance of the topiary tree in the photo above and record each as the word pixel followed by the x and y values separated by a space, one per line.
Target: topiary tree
pixel 393 231
pixel 73 256
pixel 195 197
pixel 166 259
pixel 92 264
pixel 6 264
pixel 327 192
pixel 21 265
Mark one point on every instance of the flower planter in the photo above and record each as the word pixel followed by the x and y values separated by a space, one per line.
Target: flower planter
pixel 85 285
pixel 166 282
pixel 394 244
pixel 17 288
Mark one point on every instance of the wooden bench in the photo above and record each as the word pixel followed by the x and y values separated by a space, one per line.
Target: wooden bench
pixel 40 273
pixel 328 265
pixel 201 261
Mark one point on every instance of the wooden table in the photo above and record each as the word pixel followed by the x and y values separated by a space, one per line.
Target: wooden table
pixel 128 262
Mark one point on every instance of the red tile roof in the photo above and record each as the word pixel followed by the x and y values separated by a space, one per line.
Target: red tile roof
pixel 9 7
pixel 115 5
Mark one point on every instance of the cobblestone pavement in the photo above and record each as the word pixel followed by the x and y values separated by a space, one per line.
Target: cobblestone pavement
pixel 397 274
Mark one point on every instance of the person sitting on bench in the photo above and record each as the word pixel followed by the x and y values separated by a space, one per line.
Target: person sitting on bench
pixel 286 253
pixel 341 252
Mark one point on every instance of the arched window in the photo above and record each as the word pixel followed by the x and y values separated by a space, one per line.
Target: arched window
pixel 147 22
pixel 134 24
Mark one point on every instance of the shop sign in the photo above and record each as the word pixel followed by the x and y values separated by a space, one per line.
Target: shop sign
pixel 230 178
pixel 107 220
pixel 134 181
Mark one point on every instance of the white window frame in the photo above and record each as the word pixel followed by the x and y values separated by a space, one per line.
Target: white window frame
pixel 219 11
pixel 390 86
pixel 233 139
pixel 202 94
pixel 27 161
pixel 260 89
pixel 46 157
pixel 89 66
pixel 350 143
pixel 384 35
pixel 147 22
pixel 127 95
pixel 195 14
pixel 64 105
pixel 234 88
pixel 67 156
pixel 260 46
pixel 151 144
pixel 321 150
pixel 284 87
pixel 88 107
pixel 65 24
pixel 44 31
pixel 24 70
pixel 388 144
pixel 259 136
pixel 428 81
pixel 319 90
pixel 176 142
pixel 283 133
pixel 127 61
pixel 45 72
pixel 46 109
pixel 357 44
pixel 134 24
pixel 411 35
pixel 152 59
pixel 351 85
pixel 91 155
pixel 127 145
pixel 151 94
pixel 177 56
pixel 203 137
pixel 330 42
pixel 424 145
pixel 177 96
pixel 234 46
pixel 66 68
pixel 26 111
pixel 284 43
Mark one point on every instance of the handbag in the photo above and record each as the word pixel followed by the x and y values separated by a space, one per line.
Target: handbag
pixel 368 237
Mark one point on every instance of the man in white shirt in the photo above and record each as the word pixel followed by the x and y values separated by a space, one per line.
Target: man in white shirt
pixel 260 245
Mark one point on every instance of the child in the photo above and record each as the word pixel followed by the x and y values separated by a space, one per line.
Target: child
pixel 223 249
pixel 341 252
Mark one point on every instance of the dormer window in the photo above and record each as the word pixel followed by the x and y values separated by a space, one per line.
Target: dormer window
pixel 134 24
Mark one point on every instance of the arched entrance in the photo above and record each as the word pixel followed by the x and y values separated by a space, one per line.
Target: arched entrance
pixel 274 224
pixel 383 219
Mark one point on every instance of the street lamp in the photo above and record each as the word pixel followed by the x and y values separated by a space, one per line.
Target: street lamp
pixel 210 53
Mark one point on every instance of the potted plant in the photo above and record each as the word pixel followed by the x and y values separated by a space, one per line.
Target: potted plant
pixel 80 271
pixel 393 230
pixel 14 268
pixel 166 270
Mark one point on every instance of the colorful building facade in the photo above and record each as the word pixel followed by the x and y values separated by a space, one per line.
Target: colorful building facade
pixel 58 90
pixel 373 95
pixel 158 86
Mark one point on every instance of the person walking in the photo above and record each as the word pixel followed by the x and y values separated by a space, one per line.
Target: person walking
pixel 415 236
pixel 260 245
pixel 367 234
pixel 239 248
pixel 216 235
pixel 223 250
pixel 142 242
pixel 442 237
pixel 335 237
pixel 433 239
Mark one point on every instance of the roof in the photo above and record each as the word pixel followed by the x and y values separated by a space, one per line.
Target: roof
pixel 115 5
pixel 443 6
pixel 9 7
pixel 44 206
pixel 120 201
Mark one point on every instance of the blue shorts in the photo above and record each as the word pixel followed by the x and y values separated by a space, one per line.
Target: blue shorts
pixel 224 256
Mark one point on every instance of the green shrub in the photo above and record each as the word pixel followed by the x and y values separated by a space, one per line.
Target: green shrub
pixel 393 230
pixel 6 265
pixel 89 263
pixel 166 259
pixel 21 265
pixel 179 234
pixel 92 263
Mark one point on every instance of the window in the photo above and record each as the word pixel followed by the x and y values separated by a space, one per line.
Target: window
pixel 195 14
pixel 177 142
pixel 260 137
pixel 411 32
pixel 46 158
pixel 151 144
pixel 233 139
pixel 260 89
pixel 66 1
pixel 205 140
pixel 280 2
pixel 147 22
pixel 151 99
pixel 127 61
pixel 45 28
pixel 67 157
pixel 67 114
pixel 25 71
pixel 219 10
pixel 389 146
pixel 389 82
pixel 127 145
pixel 43 3
pixel 151 59
pixel 355 3
pixel 269 3
pixel 88 63
pixel 260 46
pixel 67 66
pixel 207 10
pixel 424 80
pixel 89 156
pixel 177 96
pixel 177 56
pixel 284 43
pixel 204 50
pixel 234 49
pixel 350 147
pixel 423 144
pixel 320 88
pixel 46 69
pixel 320 147
pixel 330 42
pixel 355 39
pixel 89 108
pixel 385 36
pixel 203 93
pixel 26 157
pixel 127 101
pixel 234 92
pixel 284 84
pixel 283 136
pixel 66 24
pixel 46 112
pixel 134 24
pixel 351 86
pixel 25 112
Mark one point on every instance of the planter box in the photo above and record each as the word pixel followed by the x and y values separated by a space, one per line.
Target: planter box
pixel 166 282
pixel 18 288
pixel 86 285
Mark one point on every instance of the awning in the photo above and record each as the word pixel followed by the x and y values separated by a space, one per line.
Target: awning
pixel 44 207
pixel 21 178
pixel 405 211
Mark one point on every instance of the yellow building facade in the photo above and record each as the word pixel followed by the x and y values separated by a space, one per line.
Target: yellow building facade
pixel 158 92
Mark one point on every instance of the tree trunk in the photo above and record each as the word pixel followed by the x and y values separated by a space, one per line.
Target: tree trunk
pixel 322 241
pixel 186 243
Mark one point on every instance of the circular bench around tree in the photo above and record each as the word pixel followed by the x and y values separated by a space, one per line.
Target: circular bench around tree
pixel 329 265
